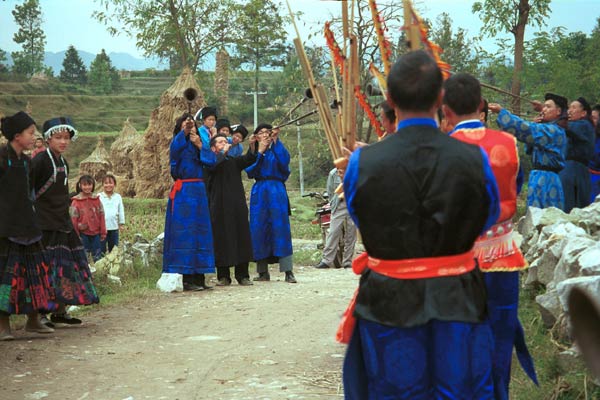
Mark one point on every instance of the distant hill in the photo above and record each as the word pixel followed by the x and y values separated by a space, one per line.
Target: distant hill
pixel 119 60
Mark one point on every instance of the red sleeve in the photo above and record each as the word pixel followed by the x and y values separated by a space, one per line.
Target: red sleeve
pixel 102 219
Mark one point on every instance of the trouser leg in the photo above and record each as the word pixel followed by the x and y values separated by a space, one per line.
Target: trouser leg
pixel 336 230
pixel 262 266
pixel 223 272
pixel 241 271
pixel 286 263
pixel 349 241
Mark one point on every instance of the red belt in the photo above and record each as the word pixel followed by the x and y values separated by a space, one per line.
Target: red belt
pixel 177 186
pixel 412 268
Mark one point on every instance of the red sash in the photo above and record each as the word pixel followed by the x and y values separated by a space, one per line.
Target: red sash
pixel 412 268
pixel 177 186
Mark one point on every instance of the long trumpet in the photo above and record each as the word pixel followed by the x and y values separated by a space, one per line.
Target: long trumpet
pixel 334 105
pixel 190 95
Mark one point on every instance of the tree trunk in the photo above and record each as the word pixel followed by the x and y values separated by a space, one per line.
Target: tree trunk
pixel 180 39
pixel 221 88
pixel 519 33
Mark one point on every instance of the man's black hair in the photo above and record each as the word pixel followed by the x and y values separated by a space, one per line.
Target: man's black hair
pixel 415 81
pixel 462 93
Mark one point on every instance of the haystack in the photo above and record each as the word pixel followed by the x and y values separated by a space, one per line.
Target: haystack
pixel 222 80
pixel 151 155
pixel 98 163
pixel 2 138
pixel 122 159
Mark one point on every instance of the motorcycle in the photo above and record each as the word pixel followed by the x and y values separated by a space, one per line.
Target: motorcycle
pixel 322 214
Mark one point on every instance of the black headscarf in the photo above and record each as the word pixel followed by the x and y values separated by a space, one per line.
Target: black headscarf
pixel 15 124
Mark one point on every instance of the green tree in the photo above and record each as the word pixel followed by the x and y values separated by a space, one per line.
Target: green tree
pixel 189 29
pixel 103 77
pixel 28 16
pixel 3 66
pixel 74 70
pixel 262 40
pixel 512 16
pixel 460 51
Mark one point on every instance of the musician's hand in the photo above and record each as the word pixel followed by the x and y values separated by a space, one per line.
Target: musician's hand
pixel 195 139
pixel 252 139
pixel 275 134
pixel 213 132
pixel 494 107
pixel 539 118
pixel 537 105
pixel 187 126
pixel 226 148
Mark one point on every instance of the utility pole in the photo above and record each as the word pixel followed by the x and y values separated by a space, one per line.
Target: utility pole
pixel 255 94
pixel 300 170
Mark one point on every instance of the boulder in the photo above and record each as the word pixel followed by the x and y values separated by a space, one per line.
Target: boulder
pixel 550 308
pixel 591 284
pixel 568 265
pixel 589 261
pixel 170 283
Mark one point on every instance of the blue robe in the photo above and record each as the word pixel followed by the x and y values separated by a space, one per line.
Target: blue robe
pixel 236 150
pixel 575 177
pixel 269 204
pixel 548 145
pixel 188 245
pixel 595 171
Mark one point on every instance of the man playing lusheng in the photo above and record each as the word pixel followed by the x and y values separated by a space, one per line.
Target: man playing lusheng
pixel 420 200
pixel 499 257
pixel 547 141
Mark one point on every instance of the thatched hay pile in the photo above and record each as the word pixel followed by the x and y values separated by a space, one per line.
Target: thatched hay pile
pixel 2 138
pixel 122 159
pixel 151 155
pixel 98 163
pixel 222 81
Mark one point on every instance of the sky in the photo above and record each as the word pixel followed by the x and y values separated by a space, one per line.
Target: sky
pixel 69 22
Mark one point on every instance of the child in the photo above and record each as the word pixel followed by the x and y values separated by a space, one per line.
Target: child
pixel 72 279
pixel 114 213
pixel 25 286
pixel 87 216
pixel 238 134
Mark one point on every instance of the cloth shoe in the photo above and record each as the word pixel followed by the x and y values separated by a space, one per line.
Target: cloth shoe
pixel 321 265
pixel 64 318
pixel 245 282
pixel 223 282
pixel 200 280
pixel 6 335
pixel 191 287
pixel 38 328
pixel 289 277
pixel 45 321
pixel 262 277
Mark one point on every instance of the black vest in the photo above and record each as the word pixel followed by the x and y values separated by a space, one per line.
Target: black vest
pixel 420 194
pixel 17 217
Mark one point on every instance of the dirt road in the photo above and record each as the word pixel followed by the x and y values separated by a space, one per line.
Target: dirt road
pixel 273 340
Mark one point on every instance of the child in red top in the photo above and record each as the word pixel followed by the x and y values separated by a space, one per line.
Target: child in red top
pixel 87 216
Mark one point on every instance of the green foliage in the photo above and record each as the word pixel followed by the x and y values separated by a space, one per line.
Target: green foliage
pixel 504 16
pixel 262 43
pixel 182 31
pixel 28 16
pixel 460 51
pixel 103 77
pixel 3 66
pixel 74 70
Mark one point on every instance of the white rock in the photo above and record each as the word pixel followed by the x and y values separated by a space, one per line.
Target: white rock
pixel 568 265
pixel 550 308
pixel 589 261
pixel 591 284
pixel 170 283
pixel 114 279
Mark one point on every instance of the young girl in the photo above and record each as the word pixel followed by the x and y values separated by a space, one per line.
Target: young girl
pixel 25 286
pixel 114 213
pixel 71 275
pixel 87 216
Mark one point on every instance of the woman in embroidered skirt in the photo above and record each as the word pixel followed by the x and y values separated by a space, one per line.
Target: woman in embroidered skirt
pixel 25 286
pixel 71 275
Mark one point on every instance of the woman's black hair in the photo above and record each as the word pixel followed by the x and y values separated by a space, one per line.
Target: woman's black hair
pixel 85 179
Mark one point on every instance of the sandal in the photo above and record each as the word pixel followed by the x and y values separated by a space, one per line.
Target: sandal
pixel 64 318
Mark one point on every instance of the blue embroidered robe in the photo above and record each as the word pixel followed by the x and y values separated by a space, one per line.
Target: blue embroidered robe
pixel 548 145
pixel 575 177
pixel 188 245
pixel 269 204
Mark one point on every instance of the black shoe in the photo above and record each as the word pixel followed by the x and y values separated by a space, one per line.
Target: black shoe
pixel 245 282
pixel 289 277
pixel 262 277
pixel 322 265
pixel 64 319
pixel 191 287
pixel 223 282
pixel 200 280
pixel 44 320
